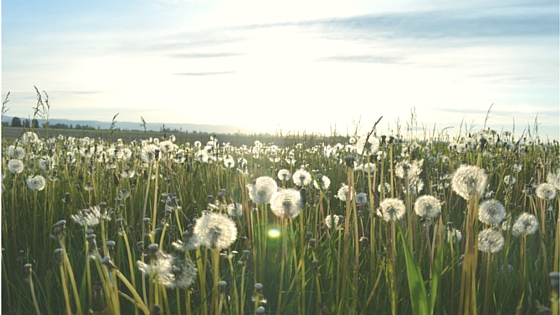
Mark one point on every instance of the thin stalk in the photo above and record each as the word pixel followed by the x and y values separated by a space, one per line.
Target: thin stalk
pixel 65 289
pixel 33 296
pixel 137 297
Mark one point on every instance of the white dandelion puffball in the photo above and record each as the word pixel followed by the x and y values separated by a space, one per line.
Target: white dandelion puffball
pixel 468 181
pixel 526 224
pixel 284 175
pixel 301 178
pixel 15 166
pixel 490 241
pixel 286 203
pixel 262 190
pixel 427 206
pixel 491 212
pixel 215 230
pixel 322 182
pixel 36 182
pixel 546 191
pixel 392 209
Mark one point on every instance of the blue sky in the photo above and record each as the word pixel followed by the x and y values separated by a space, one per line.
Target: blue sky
pixel 287 65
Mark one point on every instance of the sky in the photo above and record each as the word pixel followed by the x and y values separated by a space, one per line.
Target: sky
pixel 289 66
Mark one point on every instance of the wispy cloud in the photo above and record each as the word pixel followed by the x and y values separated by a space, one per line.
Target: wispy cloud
pixel 205 73
pixel 205 55
pixel 364 59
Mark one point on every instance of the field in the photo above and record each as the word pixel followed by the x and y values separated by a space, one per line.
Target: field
pixel 134 223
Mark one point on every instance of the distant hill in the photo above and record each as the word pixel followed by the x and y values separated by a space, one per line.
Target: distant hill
pixel 149 126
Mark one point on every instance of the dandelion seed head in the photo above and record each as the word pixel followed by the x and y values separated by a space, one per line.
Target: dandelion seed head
pixel 322 182
pixel 526 224
pixel 342 193
pixel 392 209
pixel 361 199
pixel 229 161
pixel 301 178
pixel 427 206
pixel 215 230
pixel 509 180
pixel 454 235
pixel 468 180
pixel 491 212
pixel 284 175
pixel 286 203
pixel 16 152
pixel 490 241
pixel 235 209
pixel 546 191
pixel 334 220
pixel 554 179
pixel 36 182
pixel 367 145
pixel 409 170
pixel 15 166
pixel 150 153
pixel 261 192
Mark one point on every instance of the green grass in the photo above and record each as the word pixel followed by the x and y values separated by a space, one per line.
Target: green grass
pixel 366 268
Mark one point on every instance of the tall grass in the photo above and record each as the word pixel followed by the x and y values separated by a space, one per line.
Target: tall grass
pixel 277 265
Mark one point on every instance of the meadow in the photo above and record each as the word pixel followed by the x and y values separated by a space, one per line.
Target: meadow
pixel 368 223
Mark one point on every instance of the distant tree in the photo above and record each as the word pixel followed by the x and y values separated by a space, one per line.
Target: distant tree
pixel 78 126
pixel 34 123
pixel 16 122
pixel 46 124
pixel 26 123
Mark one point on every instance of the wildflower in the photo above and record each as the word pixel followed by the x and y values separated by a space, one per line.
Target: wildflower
pixel 368 168
pixel 17 153
pixel 36 182
pixel 415 185
pixel 509 180
pixel 468 180
pixel 367 145
pixel 262 190
pixel 167 146
pixel 334 220
pixel 491 212
pixel 215 230
pixel 361 199
pixel 90 217
pixel 150 153
pixel 342 193
pixel 392 209
pixel 29 137
pixel 301 178
pixel 385 187
pixel 228 161
pixel 554 179
pixel 286 203
pixel 490 241
pixel 189 241
pixel 284 175
pixel 526 224
pixel 235 209
pixel 410 170
pixel 454 235
pixel 517 167
pixel 15 166
pixel 427 206
pixel 322 182
pixel 546 191
pixel 171 272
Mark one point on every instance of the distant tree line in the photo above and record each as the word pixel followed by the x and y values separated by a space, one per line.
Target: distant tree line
pixel 34 123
